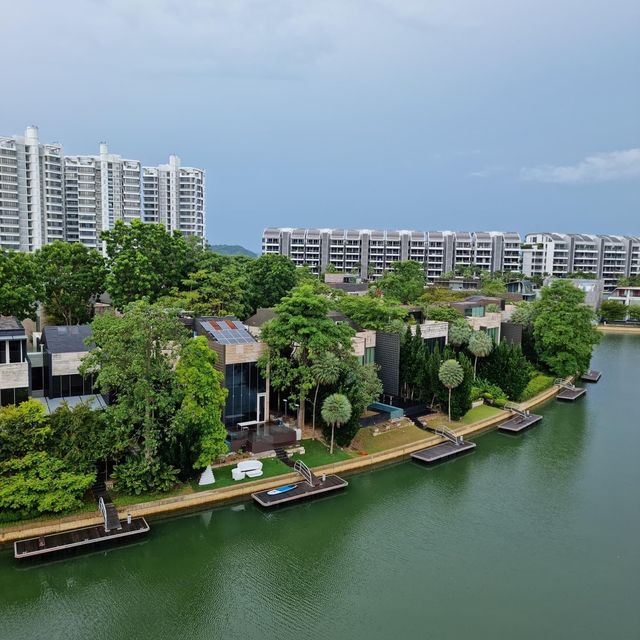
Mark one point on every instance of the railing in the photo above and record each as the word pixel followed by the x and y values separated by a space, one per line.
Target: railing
pixel 304 471
pixel 514 407
pixel 449 434
pixel 102 507
pixel 561 383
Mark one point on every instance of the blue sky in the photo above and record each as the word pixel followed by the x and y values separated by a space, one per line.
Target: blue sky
pixel 435 114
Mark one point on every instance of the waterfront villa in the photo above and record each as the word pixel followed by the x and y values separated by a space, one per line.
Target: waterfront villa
pixel 474 309
pixel 14 367
pixel 626 295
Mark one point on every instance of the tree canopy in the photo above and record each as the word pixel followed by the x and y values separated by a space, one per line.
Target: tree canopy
pixel 270 278
pixel 73 276
pixel 20 285
pixel 404 282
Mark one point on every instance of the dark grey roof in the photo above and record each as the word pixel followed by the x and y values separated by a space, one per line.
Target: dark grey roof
pixel 226 330
pixel 9 323
pixel 349 286
pixel 66 339
pixel 262 315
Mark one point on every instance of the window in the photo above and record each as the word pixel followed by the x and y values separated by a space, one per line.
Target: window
pixel 15 351
pixel 3 351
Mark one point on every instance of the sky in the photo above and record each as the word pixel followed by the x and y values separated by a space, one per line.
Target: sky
pixel 408 114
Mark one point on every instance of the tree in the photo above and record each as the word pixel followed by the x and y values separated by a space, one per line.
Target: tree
pixel 298 333
pixel 39 483
pixel 80 436
pixel 270 278
pixel 369 312
pixel 73 275
pixel 506 367
pixel 405 281
pixel 144 261
pixel 563 329
pixel 23 429
pixel 613 311
pixel 493 287
pixel 20 286
pixel 336 410
pixel 326 371
pixel 523 313
pixel 197 429
pixel 480 345
pixel 634 312
pixel 442 313
pixel 135 355
pixel 459 333
pixel 451 375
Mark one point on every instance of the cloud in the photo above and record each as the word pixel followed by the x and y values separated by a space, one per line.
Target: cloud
pixel 599 167
pixel 488 172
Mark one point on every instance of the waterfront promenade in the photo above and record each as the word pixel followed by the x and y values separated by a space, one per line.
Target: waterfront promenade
pixel 213 497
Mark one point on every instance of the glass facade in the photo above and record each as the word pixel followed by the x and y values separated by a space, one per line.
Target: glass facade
pixel 13 396
pixel 243 382
pixel 74 385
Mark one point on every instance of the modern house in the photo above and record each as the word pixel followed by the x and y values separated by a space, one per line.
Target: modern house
pixel 593 289
pixel 349 284
pixel 433 333
pixel 63 349
pixel 474 309
pixel 626 295
pixel 14 367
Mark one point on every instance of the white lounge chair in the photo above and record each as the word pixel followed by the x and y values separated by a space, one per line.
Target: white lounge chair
pixel 249 465
pixel 237 474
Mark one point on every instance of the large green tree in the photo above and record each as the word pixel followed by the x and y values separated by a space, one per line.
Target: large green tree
pixel 20 285
pixel 270 278
pixel 23 428
pixel 507 368
pixel 134 356
pixel 144 261
pixel 197 429
pixel 371 312
pixel 563 329
pixel 613 311
pixel 72 275
pixel 404 282
pixel 298 334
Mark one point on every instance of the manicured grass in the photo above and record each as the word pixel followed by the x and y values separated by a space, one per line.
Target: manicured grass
pixel 123 499
pixel 408 433
pixel 271 467
pixel 316 453
pixel 476 414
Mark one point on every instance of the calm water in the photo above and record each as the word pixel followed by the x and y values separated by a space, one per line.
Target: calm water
pixel 528 537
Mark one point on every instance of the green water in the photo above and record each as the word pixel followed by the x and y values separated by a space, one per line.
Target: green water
pixel 535 536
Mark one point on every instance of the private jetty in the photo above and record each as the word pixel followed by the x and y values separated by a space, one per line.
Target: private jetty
pixel 111 530
pixel 591 376
pixel 569 392
pixel 521 420
pixel 453 446
pixel 310 486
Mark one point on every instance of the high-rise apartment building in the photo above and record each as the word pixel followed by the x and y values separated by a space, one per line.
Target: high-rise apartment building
pixel 174 196
pixel 607 257
pixel 47 196
pixel 31 192
pixel 98 191
pixel 369 253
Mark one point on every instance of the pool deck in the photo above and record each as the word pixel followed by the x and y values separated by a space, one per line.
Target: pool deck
pixel 591 376
pixel 302 491
pixel 519 423
pixel 569 395
pixel 56 542
pixel 443 451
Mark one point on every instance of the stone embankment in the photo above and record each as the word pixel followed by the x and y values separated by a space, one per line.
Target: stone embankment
pixel 213 497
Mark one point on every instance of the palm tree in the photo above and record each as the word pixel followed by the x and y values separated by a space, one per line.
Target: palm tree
pixel 336 410
pixel 325 370
pixel 459 333
pixel 480 345
pixel 451 375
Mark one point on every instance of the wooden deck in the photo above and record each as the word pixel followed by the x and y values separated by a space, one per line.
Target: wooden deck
pixel 302 491
pixel 442 451
pixel 56 542
pixel 519 423
pixel 591 376
pixel 569 395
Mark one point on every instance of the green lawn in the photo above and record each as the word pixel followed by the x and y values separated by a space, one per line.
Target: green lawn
pixel 271 467
pixel 476 414
pixel 406 434
pixel 316 453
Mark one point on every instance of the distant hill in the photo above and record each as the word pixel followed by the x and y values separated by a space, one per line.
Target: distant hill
pixel 232 250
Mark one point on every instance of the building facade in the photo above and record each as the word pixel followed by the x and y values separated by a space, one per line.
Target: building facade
pixel 46 195
pixel 174 197
pixel 369 253
pixel 606 257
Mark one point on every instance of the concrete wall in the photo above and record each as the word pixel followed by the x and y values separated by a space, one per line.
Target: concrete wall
pixel 66 364
pixel 14 376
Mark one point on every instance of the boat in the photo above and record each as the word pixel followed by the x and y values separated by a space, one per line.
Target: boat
pixel 279 490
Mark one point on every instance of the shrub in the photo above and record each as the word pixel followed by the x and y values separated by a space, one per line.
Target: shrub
pixel 536 385
pixel 491 393
pixel 634 313
pixel 613 311
pixel 137 475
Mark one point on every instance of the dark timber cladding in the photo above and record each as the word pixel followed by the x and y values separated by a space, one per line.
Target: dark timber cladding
pixel 519 423
pixel 591 376
pixel 56 542
pixel 571 394
pixel 443 451
pixel 302 491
